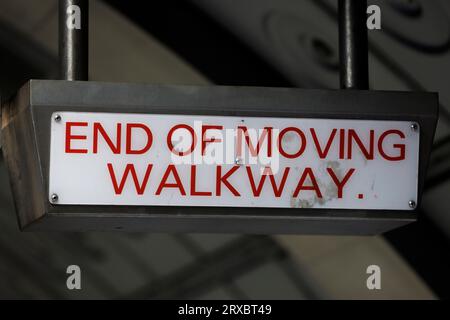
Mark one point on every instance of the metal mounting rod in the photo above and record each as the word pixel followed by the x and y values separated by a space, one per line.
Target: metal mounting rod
pixel 73 39
pixel 353 44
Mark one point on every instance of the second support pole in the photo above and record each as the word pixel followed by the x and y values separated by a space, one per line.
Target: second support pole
pixel 353 44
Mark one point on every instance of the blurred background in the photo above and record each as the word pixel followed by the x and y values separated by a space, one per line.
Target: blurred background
pixel 287 43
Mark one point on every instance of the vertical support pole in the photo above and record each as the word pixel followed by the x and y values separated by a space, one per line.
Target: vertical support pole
pixel 73 39
pixel 353 44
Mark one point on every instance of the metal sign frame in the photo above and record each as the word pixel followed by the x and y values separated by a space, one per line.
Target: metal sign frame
pixel 26 133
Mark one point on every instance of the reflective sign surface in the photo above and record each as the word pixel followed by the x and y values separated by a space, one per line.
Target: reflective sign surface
pixel 180 160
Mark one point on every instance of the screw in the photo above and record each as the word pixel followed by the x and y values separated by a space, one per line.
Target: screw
pixel 54 197
pixel 57 118
pixel 412 204
pixel 238 161
pixel 414 127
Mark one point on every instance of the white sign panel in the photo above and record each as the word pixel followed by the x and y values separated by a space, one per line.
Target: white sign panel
pixel 180 160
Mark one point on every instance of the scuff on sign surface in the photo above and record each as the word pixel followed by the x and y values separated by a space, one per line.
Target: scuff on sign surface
pixel 186 160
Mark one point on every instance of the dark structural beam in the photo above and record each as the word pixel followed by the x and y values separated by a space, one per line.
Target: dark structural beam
pixel 73 39
pixel 353 44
